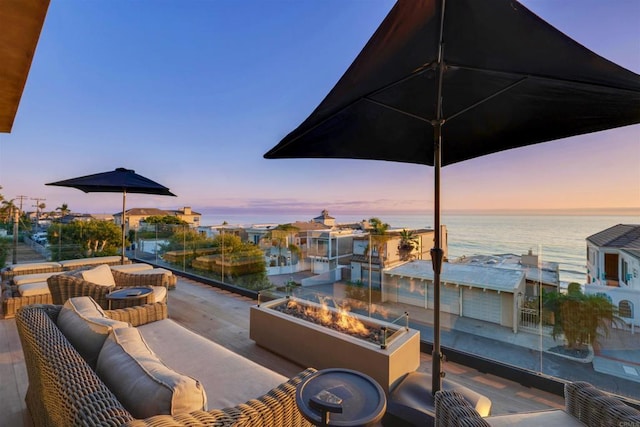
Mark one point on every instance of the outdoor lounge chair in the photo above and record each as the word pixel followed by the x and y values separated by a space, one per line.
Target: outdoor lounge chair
pixel 73 284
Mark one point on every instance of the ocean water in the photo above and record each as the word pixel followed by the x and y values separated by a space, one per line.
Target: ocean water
pixel 555 238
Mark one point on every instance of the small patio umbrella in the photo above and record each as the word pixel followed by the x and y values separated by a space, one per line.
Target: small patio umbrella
pixel 440 82
pixel 120 180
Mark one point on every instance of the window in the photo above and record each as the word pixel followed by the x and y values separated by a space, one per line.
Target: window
pixel 625 309
pixel 625 271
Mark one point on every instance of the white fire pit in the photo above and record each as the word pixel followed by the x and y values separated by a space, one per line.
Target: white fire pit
pixel 320 347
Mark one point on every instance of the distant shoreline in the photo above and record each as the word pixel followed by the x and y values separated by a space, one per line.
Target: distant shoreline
pixel 493 212
pixel 335 212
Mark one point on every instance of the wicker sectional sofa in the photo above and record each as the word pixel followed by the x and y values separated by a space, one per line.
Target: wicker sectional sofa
pixel 37 275
pixel 64 388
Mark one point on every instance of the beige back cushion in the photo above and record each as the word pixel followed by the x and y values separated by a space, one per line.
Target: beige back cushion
pixel 86 327
pixel 80 262
pixel 128 268
pixel 33 266
pixel 141 382
pixel 100 275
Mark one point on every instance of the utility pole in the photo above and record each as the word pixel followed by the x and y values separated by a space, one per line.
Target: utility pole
pixel 37 206
pixel 16 219
pixel 21 199
pixel 16 228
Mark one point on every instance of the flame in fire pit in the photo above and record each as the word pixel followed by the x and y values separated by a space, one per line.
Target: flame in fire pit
pixel 340 319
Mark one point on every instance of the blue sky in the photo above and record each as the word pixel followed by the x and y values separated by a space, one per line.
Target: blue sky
pixel 192 93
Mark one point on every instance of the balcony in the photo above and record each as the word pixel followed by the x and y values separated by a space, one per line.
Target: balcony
pixel 223 317
pixel 508 368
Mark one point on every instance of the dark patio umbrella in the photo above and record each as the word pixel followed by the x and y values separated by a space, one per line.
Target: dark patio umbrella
pixel 442 82
pixel 120 180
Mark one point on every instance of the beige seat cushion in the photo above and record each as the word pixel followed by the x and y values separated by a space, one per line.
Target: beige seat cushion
pixel 86 327
pixel 32 278
pixel 142 382
pixel 130 268
pixel 100 275
pixel 228 378
pixel 31 289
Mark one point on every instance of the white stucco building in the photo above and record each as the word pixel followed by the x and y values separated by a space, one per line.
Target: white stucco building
pixel 613 269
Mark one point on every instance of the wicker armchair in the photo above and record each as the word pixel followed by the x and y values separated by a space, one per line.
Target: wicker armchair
pixel 65 286
pixel 584 405
pixel 58 395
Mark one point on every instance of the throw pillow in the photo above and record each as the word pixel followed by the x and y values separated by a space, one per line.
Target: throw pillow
pixel 100 275
pixel 86 326
pixel 141 382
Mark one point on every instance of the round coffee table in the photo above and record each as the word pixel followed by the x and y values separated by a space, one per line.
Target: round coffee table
pixel 128 294
pixel 341 397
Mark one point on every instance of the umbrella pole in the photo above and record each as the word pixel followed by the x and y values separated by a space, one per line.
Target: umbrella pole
pixel 436 252
pixel 436 260
pixel 124 201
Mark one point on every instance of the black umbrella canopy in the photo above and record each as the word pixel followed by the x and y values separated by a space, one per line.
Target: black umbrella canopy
pixel 116 181
pixel 120 180
pixel 509 80
pixel 443 81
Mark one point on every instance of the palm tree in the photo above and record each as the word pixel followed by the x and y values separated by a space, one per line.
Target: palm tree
pixel 408 242
pixel 63 210
pixel 379 238
pixel 279 236
pixel 581 318
pixel 7 208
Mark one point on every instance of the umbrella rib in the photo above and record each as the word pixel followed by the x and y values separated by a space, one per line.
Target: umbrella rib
pixel 482 101
pixel 406 113
pixel 540 77
pixel 418 71
pixel 511 86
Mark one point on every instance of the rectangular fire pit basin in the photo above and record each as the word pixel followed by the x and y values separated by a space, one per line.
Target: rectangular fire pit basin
pixel 312 345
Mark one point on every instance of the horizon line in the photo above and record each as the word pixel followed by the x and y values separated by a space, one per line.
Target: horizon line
pixel 605 211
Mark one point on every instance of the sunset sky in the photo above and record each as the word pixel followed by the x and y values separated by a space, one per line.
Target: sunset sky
pixel 192 94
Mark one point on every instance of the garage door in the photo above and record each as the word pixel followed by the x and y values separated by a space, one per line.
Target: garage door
pixel 411 291
pixel 449 298
pixel 477 304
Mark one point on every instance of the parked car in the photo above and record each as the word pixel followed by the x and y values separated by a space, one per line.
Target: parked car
pixel 40 237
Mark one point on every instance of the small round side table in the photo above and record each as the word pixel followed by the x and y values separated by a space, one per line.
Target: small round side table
pixel 341 397
pixel 128 294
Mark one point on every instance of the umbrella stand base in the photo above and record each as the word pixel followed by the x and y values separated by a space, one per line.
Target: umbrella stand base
pixel 411 401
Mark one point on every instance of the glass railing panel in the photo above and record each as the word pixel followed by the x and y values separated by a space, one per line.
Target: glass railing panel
pixel 492 305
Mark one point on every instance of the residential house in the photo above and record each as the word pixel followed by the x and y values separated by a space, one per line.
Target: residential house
pixel 257 232
pixel 137 215
pixel 613 268
pixel 187 215
pixel 211 231
pixel 371 257
pixel 330 250
pixel 540 275
pixel 478 292
pixel 325 219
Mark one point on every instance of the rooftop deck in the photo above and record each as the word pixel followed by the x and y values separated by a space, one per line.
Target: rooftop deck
pixel 223 317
